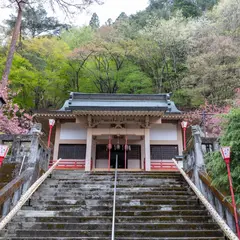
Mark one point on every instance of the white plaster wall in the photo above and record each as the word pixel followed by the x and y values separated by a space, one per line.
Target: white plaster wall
pixel 102 163
pixel 165 132
pixel 73 131
pixel 134 164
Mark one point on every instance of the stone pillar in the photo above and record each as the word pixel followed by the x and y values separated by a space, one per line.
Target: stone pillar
pixel 88 150
pixel 199 159
pixel 147 150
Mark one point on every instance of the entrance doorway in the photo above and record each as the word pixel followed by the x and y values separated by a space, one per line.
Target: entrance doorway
pixel 133 156
pixel 121 159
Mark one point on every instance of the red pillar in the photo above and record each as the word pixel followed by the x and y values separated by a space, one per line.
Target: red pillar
pixel 49 135
pixel 184 139
pixel 126 142
pixel 233 199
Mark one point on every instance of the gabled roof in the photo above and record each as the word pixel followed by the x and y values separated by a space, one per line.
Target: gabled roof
pixel 119 102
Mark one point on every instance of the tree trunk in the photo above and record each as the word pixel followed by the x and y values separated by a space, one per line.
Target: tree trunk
pixel 11 51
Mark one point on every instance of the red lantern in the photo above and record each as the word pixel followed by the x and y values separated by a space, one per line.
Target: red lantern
pixel 226 154
pixel 51 125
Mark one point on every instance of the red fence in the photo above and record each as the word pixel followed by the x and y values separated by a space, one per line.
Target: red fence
pixel 163 165
pixel 72 164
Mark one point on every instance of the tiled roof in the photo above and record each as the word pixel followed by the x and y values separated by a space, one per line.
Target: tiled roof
pixel 120 102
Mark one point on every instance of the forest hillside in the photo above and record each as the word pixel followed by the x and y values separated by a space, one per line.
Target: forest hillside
pixel 188 48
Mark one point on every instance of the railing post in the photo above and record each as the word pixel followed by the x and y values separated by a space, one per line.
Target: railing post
pixel 6 207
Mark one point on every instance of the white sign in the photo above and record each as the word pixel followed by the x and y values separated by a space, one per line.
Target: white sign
pixel 226 151
pixel 51 122
pixel 3 150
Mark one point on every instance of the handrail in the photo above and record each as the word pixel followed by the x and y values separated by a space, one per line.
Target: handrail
pixel 12 186
pixel 225 228
pixel 114 199
pixel 26 196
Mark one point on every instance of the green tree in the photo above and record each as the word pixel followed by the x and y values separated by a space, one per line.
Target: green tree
pixel 67 6
pixel 162 52
pixel 76 37
pixel 37 78
pixel 94 22
pixel 122 17
pixel 188 8
pixel 109 22
pixel 35 21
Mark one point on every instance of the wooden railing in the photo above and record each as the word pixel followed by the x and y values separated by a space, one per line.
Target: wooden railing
pixel 11 193
pixel 163 165
pixel 72 164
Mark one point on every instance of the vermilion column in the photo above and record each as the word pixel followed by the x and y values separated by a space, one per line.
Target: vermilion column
pixel 109 152
pixel 126 146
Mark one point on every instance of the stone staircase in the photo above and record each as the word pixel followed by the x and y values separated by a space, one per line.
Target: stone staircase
pixel 77 205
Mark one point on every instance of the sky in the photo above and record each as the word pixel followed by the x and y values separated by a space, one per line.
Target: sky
pixel 110 9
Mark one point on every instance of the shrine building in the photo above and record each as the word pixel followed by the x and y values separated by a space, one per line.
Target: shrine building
pixel 144 131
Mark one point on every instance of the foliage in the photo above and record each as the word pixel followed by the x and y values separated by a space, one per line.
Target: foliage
pixel 77 37
pixel 215 164
pixel 94 22
pixel 171 46
pixel 35 22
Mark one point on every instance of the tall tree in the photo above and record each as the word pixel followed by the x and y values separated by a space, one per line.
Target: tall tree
pixel 67 6
pixel 122 17
pixel 94 22
pixel 109 22
pixel 35 21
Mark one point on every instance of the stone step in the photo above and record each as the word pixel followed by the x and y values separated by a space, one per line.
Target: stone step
pixel 108 226
pixel 126 212
pixel 122 181
pixel 78 199
pixel 123 233
pixel 110 194
pixel 125 189
pixel 119 178
pixel 111 176
pixel 120 202
pixel 119 219
pixel 122 184
pixel 62 200
pixel 107 238
pixel 97 208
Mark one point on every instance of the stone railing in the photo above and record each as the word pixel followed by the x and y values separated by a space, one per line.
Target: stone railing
pixel 194 166
pixel 31 156
pixel 218 200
